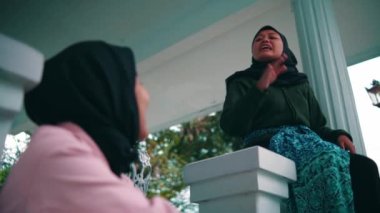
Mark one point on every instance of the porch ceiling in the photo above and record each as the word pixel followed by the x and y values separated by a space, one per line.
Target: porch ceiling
pixel 184 49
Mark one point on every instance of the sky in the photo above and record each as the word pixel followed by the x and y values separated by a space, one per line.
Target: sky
pixel 361 76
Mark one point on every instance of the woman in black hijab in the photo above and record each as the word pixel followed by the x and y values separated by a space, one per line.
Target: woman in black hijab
pixel 91 110
pixel 272 105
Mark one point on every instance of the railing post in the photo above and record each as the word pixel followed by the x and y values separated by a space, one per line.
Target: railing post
pixel 20 70
pixel 249 180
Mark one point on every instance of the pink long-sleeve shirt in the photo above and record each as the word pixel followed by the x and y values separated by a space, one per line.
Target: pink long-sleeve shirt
pixel 63 170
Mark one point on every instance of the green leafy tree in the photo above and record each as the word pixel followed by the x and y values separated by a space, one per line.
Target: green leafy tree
pixel 16 144
pixel 173 148
pixel 4 174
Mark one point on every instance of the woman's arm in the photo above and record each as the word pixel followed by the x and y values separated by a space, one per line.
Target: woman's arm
pixel 318 124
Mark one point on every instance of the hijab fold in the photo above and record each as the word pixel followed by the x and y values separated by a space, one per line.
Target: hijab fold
pixel 290 77
pixel 91 84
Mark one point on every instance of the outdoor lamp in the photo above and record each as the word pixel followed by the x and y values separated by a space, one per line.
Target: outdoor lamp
pixel 374 93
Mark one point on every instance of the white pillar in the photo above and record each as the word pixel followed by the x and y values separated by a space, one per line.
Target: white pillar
pixel 20 70
pixel 325 64
pixel 252 180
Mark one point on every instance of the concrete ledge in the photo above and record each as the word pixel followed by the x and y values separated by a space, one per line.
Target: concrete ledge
pixel 19 62
pixel 249 180
pixel 242 203
pixel 246 182
pixel 20 70
pixel 249 159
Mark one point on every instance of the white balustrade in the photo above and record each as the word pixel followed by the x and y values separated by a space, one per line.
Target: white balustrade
pixel 249 180
pixel 20 70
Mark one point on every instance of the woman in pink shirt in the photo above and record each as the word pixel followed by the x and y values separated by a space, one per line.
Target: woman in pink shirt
pixel 91 109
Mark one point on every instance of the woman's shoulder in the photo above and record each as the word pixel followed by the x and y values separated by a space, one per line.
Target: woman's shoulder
pixel 47 131
pixel 53 139
pixel 52 134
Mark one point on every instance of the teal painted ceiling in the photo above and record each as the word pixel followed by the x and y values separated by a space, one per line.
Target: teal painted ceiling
pixel 151 26
pixel 148 26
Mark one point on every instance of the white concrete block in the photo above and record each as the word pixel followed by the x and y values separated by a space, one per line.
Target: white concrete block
pixel 242 203
pixel 240 161
pixel 249 180
pixel 20 70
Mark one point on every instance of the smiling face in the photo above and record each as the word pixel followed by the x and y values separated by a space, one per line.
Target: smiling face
pixel 267 46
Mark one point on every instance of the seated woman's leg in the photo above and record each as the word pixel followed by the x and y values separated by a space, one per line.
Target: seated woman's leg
pixel 365 184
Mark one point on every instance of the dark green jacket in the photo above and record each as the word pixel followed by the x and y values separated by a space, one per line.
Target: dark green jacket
pixel 247 109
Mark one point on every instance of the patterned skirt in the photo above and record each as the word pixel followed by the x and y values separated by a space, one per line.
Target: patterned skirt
pixel 323 176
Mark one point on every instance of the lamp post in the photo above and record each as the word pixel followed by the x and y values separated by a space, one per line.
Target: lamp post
pixel 374 93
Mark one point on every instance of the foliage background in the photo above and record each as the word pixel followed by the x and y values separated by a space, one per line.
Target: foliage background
pixel 173 148
pixel 12 153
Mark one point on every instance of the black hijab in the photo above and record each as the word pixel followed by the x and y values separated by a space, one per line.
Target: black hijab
pixel 290 77
pixel 92 84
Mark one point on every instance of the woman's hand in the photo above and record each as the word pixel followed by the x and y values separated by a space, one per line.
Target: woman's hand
pixel 345 143
pixel 271 72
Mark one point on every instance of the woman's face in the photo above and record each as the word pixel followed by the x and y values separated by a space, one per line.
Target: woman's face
pixel 142 98
pixel 267 46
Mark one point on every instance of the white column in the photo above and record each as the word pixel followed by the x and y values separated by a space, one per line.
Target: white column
pixel 20 70
pixel 325 64
pixel 252 180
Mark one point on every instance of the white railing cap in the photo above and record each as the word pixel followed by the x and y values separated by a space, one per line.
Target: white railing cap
pixel 19 62
pixel 253 158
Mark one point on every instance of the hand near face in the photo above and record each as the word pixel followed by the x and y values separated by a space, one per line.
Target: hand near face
pixel 345 143
pixel 272 71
